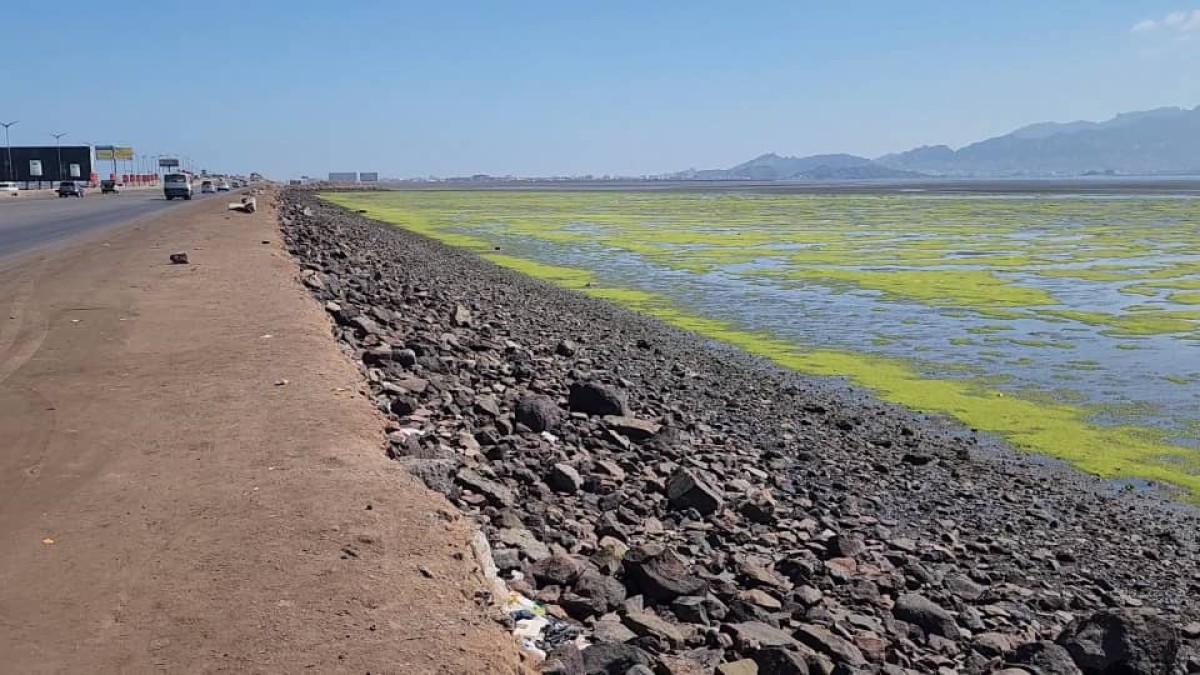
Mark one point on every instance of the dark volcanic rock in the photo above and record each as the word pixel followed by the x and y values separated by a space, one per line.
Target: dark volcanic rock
pixel 495 492
pixel 539 413
pixel 1121 641
pixel 824 641
pixel 780 661
pixel 594 398
pixel 564 478
pixel 686 490
pixel 661 575
pixel 632 427
pixel 598 593
pixel 754 635
pixel 561 570
pixel 1047 657
pixel 613 658
pixel 566 348
pixel 931 617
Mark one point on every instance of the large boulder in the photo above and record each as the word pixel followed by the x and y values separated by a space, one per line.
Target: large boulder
pixel 539 413
pixel 613 658
pixel 558 570
pixel 594 593
pixel 930 616
pixel 594 398
pixel 661 575
pixel 1121 641
pixel 686 490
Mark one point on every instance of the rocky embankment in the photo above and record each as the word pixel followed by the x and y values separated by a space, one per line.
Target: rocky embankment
pixel 691 509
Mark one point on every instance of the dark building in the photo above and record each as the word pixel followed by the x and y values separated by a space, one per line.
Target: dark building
pixel 22 170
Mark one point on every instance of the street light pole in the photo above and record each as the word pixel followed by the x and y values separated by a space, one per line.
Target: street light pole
pixel 58 149
pixel 9 174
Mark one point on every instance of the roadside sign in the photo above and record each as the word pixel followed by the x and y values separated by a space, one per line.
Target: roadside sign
pixel 75 171
pixel 105 152
pixel 35 168
pixel 168 162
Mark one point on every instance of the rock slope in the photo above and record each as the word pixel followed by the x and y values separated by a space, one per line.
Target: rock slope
pixel 692 509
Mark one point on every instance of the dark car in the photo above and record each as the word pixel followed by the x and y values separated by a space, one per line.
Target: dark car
pixel 70 188
pixel 107 186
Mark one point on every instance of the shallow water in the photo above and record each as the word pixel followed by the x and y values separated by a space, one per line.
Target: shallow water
pixel 1087 302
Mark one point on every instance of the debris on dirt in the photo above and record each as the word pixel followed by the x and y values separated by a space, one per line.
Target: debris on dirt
pixel 246 205
pixel 179 258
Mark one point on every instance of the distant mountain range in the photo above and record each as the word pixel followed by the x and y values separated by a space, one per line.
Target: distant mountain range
pixel 1162 141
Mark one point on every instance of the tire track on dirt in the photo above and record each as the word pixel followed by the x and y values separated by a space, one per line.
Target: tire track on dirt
pixel 24 328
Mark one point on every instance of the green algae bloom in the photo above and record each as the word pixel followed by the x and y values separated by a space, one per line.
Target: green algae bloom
pixel 996 266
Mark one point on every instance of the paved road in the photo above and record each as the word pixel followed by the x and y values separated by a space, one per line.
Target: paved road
pixel 38 222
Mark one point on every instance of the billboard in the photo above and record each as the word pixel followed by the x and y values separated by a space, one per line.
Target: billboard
pixel 342 177
pixel 41 163
pixel 111 152
pixel 168 162
pixel 75 171
pixel 368 177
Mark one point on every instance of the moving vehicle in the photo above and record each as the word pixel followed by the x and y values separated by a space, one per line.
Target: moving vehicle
pixel 206 188
pixel 70 188
pixel 11 188
pixel 223 186
pixel 107 186
pixel 177 185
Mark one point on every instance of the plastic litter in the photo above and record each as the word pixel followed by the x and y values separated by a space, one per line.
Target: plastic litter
pixel 536 631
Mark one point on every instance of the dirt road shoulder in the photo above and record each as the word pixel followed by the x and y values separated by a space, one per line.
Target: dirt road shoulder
pixel 191 481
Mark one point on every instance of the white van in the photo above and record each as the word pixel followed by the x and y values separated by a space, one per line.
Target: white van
pixel 177 185
pixel 7 188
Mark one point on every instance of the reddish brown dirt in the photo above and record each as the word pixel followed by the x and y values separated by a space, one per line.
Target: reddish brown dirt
pixel 166 506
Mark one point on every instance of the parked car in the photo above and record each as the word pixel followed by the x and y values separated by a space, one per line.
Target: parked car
pixel 107 186
pixel 223 186
pixel 11 189
pixel 206 188
pixel 70 188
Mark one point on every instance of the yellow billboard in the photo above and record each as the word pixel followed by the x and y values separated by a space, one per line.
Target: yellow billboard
pixel 110 152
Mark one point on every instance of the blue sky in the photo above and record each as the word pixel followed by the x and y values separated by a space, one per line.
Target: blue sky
pixel 541 88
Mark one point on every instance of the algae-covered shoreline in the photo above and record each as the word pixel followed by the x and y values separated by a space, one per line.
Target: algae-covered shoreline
pixel 936 270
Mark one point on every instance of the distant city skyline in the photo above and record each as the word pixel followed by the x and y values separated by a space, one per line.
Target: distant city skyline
pixel 546 88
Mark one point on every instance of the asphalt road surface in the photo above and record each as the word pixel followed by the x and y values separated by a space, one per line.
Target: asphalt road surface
pixel 30 224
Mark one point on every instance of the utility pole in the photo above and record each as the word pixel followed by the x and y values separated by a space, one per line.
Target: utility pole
pixel 58 149
pixel 9 174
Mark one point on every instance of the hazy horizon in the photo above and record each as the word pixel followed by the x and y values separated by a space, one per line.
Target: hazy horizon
pixel 542 89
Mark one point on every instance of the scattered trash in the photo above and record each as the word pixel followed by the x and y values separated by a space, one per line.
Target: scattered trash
pixel 179 258
pixel 48 541
pixel 75 320
pixel 266 337
pixel 247 205
pixel 538 632
pixel 280 383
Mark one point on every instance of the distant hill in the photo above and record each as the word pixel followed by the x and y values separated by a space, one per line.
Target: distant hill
pixel 814 167
pixel 1163 141
pixel 1159 141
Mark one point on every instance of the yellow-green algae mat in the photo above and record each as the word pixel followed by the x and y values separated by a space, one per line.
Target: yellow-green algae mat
pixel 870 243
